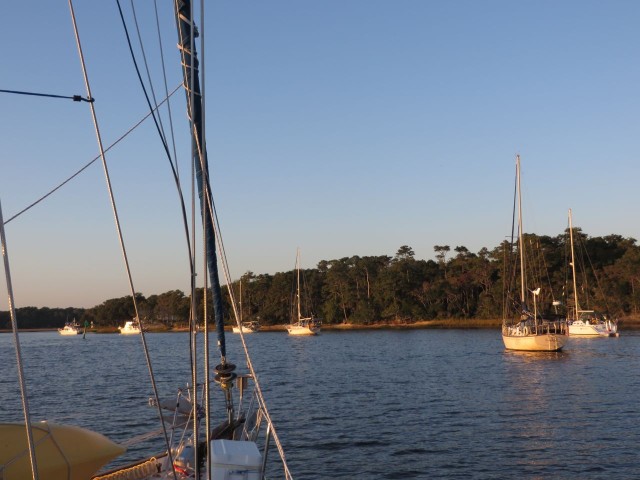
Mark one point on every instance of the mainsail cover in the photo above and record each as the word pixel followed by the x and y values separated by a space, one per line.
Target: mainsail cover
pixel 62 451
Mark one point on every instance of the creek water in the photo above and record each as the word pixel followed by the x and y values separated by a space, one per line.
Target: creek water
pixel 383 404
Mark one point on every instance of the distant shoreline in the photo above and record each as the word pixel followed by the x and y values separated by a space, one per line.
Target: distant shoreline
pixel 462 324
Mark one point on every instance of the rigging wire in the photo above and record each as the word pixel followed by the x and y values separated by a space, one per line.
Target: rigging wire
pixel 166 86
pixel 96 158
pixel 511 280
pixel 546 272
pixel 188 81
pixel 211 211
pixel 119 232
pixel 583 252
pixel 171 164
pixel 146 67
pixel 187 32
pixel 146 96
pixel 192 102
pixel 258 389
pixel 16 341
pixel 193 313
pixel 234 306
pixel 75 98
pixel 567 263
pixel 207 385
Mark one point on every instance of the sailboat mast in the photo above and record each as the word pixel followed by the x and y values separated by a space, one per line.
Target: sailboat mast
pixel 520 244
pixel 190 68
pixel 573 266
pixel 298 282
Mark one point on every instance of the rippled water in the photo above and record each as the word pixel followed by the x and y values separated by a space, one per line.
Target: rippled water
pixel 375 404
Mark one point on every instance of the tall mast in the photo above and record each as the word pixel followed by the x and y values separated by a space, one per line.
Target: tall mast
pixel 520 244
pixel 298 281
pixel 573 266
pixel 191 72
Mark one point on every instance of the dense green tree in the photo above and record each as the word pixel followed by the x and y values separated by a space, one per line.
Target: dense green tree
pixel 34 317
pixel 171 307
pixel 623 280
pixel 401 288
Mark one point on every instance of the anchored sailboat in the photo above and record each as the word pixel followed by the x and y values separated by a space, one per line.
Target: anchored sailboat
pixel 524 328
pixel 302 325
pixel 242 326
pixel 586 323
pixel 247 327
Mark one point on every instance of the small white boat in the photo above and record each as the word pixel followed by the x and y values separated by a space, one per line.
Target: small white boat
pixel 593 324
pixel 70 329
pixel 247 327
pixel 586 323
pixel 130 328
pixel 304 325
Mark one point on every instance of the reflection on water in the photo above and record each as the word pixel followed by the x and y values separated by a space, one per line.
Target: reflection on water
pixel 376 404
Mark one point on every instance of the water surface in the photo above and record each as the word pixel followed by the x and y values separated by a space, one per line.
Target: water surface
pixel 389 404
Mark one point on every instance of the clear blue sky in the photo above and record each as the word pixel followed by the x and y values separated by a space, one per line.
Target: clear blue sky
pixel 342 127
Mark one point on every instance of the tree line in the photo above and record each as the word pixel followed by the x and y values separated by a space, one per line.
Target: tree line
pixel 458 284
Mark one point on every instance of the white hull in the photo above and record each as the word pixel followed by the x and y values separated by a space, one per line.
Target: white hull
pixel 587 323
pixel 541 342
pixel 302 330
pixel 247 327
pixel 129 329
pixel 244 330
pixel 582 329
pixel 305 325
pixel 69 331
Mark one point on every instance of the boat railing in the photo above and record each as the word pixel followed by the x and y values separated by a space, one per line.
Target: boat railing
pixel 541 327
pixel 250 423
pixel 557 327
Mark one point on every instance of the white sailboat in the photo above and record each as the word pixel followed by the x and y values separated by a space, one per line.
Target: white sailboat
pixel 528 331
pixel 586 323
pixel 242 326
pixel 302 325
pixel 247 327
